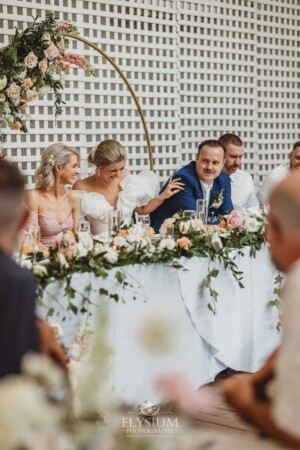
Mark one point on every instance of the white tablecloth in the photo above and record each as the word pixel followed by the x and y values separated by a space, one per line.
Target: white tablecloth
pixel 241 335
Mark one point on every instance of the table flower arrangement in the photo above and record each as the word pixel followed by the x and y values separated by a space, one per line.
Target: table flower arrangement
pixel 33 65
pixel 131 245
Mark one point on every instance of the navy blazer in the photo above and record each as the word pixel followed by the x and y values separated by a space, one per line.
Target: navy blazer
pixel 186 199
pixel 18 331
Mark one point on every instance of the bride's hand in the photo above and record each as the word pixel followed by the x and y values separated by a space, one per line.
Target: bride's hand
pixel 173 186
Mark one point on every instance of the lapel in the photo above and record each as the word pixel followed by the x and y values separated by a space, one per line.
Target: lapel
pixel 214 191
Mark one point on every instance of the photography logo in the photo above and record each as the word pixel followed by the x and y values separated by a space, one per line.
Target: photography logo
pixel 150 421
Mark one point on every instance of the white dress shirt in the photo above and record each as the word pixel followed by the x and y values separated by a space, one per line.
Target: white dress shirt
pixel 286 395
pixel 242 191
pixel 272 178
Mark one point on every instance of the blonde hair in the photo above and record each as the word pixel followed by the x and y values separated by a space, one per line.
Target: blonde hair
pixel 54 154
pixel 107 152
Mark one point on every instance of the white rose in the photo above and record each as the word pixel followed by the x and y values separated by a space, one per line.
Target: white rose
pixel 2 98
pixel 111 255
pixel 254 211
pixel 44 90
pixel 133 238
pixel 30 60
pixel 80 250
pixel 62 261
pixel 99 248
pixel 167 243
pixel 51 52
pixel 251 225
pixel 26 264
pixel 40 270
pixel 31 95
pixel 144 242
pixel 43 368
pixel 184 227
pixel 13 90
pixel 119 241
pixel 136 231
pixel 129 248
pixel 198 225
pixel 24 412
pixel 216 241
pixel 86 240
pixel 3 82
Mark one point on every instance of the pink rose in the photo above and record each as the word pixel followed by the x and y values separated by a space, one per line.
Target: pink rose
pixel 43 65
pixel 30 60
pixel 184 242
pixel 51 52
pixel 13 90
pixel 235 219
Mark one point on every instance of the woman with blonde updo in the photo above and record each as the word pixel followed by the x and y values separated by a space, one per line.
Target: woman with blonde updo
pixel 50 205
pixel 112 186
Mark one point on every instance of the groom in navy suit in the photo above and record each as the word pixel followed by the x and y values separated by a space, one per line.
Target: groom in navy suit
pixel 203 179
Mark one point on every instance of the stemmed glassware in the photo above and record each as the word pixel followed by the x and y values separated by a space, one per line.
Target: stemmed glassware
pixel 35 237
pixel 115 221
pixel 144 221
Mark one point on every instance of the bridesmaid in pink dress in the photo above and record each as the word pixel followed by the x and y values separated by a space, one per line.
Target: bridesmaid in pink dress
pixel 50 205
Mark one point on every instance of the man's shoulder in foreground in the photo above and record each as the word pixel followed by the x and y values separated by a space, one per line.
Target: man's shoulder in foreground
pixel 9 269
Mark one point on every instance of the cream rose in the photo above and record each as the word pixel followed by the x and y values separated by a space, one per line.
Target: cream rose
pixel 167 243
pixel 251 225
pixel 111 255
pixel 30 60
pixel 31 95
pixel 13 90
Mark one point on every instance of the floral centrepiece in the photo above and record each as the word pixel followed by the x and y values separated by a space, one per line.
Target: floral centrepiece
pixel 131 245
pixel 33 65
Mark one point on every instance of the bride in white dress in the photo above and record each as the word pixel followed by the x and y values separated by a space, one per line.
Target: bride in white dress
pixel 113 187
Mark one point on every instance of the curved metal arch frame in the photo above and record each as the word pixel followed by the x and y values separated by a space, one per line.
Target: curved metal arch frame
pixel 113 63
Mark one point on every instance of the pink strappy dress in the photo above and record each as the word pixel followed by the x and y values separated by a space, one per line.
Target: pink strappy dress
pixel 51 230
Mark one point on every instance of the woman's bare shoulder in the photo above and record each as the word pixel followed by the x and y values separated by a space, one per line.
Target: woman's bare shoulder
pixel 83 184
pixel 33 199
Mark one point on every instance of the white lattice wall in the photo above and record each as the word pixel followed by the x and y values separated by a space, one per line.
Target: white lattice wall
pixel 199 68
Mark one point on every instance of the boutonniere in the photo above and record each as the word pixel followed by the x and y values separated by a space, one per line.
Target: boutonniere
pixel 218 200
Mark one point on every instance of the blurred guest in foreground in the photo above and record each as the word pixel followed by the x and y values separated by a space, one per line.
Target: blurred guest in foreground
pixel 242 186
pixel 113 187
pixel 278 415
pixel 20 331
pixel 53 208
pixel 203 179
pixel 277 174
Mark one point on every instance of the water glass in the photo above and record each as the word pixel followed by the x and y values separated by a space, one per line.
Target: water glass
pixel 83 226
pixel 201 209
pixel 191 213
pixel 114 222
pixel 144 221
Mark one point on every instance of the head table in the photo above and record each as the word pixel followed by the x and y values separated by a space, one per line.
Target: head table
pixel 240 335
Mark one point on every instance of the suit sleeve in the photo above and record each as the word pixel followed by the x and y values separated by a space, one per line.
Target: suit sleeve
pixel 183 199
pixel 18 332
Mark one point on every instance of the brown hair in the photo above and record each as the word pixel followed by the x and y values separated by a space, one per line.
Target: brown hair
pixel 107 152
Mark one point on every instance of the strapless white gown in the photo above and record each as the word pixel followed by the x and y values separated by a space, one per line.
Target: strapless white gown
pixel 137 190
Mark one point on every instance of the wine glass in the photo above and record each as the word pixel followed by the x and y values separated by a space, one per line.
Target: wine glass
pixel 144 221
pixel 115 221
pixel 190 213
pixel 84 226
